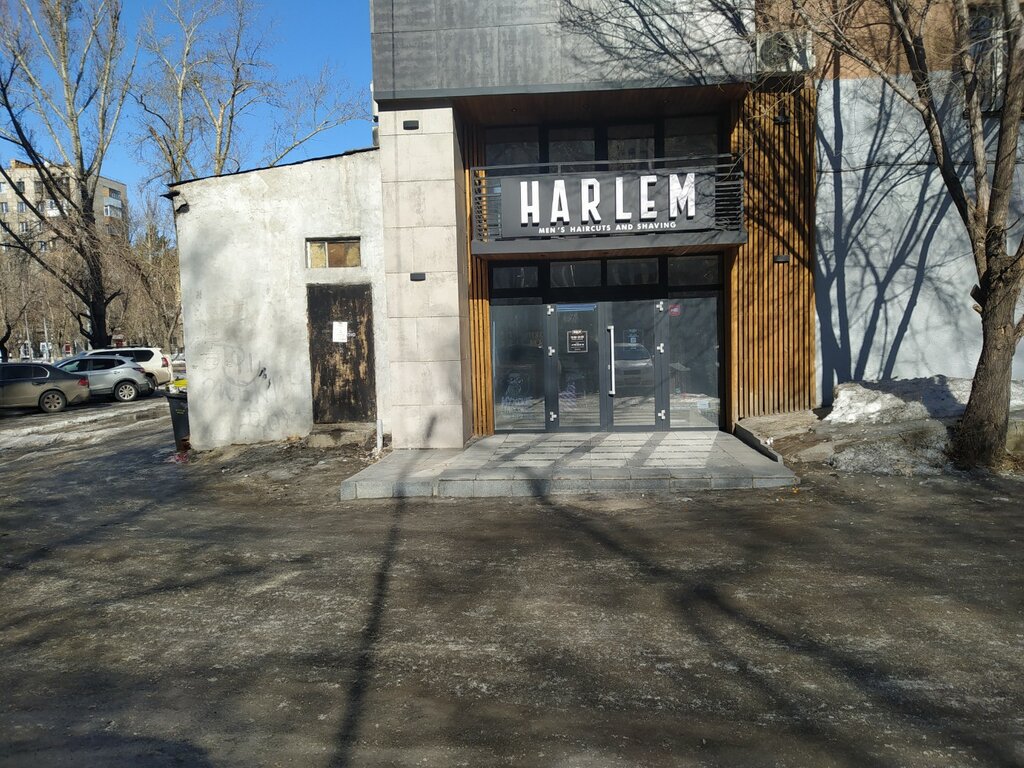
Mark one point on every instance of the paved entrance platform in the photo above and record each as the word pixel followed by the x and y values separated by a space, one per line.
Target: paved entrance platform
pixel 572 463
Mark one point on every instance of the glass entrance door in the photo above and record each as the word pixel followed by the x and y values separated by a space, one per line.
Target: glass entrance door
pixel 606 366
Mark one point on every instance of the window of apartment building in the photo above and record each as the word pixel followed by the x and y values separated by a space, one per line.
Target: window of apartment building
pixel 113 194
pixel 988 47
pixel 113 211
pixel 23 227
pixel 3 187
pixel 20 185
pixel 4 208
pixel 41 246
pixel 334 252
pixel 37 187
pixel 22 208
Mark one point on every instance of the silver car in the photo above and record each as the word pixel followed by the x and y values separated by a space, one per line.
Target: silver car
pixel 38 385
pixel 110 375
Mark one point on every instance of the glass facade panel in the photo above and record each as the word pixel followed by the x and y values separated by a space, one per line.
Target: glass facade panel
pixel 693 366
pixel 513 146
pixel 511 278
pixel 575 274
pixel 694 270
pixel 691 136
pixel 517 337
pixel 630 142
pixel 571 145
pixel 632 272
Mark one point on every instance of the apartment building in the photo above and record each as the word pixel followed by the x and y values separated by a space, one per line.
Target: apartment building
pixel 23 189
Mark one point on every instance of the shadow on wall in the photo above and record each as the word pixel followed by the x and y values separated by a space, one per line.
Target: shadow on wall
pixel 894 269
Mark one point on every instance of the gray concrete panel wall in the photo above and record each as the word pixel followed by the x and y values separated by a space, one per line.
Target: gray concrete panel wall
pixel 425 232
pixel 894 267
pixel 437 48
pixel 241 241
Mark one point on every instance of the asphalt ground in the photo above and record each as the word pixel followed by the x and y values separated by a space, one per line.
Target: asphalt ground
pixel 232 612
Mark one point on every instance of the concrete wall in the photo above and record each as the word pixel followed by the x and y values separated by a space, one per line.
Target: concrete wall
pixel 424 231
pixel 433 48
pixel 894 268
pixel 241 240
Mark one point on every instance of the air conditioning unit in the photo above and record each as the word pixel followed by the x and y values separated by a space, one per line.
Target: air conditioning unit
pixel 784 51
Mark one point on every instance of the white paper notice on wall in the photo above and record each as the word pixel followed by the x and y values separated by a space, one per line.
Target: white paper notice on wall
pixel 339 331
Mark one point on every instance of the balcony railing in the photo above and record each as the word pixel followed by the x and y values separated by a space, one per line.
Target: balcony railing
pixel 714 183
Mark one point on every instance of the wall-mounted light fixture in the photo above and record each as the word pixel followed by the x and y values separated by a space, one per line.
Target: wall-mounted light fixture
pixel 780 258
pixel 417 277
pixel 410 125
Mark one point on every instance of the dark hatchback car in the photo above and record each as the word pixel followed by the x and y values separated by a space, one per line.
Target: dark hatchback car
pixel 38 385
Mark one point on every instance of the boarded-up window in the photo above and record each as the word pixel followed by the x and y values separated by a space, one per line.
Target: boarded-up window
pixel 332 253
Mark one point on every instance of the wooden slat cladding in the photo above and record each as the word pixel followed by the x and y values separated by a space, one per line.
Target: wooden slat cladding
pixel 479 299
pixel 771 305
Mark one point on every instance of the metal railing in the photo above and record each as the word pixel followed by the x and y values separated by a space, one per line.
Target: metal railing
pixel 728 187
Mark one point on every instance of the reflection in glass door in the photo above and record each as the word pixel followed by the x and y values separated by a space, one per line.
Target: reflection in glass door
pixel 633 326
pixel 577 343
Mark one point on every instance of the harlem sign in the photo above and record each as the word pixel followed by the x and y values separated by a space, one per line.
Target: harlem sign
pixel 575 205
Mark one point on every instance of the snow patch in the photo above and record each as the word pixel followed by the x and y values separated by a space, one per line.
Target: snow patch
pixel 894 400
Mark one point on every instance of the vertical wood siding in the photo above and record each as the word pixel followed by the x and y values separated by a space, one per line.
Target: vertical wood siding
pixel 771 306
pixel 479 299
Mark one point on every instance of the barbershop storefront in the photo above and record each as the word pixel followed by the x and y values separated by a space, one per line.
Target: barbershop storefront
pixel 605 277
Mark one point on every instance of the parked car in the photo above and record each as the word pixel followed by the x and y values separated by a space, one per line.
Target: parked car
pixel 120 377
pixel 634 366
pixel 156 364
pixel 178 365
pixel 42 386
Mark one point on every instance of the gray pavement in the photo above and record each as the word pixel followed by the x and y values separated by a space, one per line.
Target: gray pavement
pixel 572 463
pixel 232 612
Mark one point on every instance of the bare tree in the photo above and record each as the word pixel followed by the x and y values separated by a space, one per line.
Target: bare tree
pixel 928 54
pixel 64 79
pixel 921 64
pixel 208 77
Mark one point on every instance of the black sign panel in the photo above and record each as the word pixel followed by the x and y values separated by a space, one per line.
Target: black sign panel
pixel 575 205
pixel 577 341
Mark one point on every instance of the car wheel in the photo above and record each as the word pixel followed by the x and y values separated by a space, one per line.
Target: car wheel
pixel 52 401
pixel 152 383
pixel 125 391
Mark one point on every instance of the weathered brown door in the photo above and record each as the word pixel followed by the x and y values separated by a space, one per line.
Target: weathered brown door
pixel 341 353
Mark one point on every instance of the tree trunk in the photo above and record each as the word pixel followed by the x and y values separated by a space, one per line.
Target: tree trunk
pixel 98 335
pixel 981 436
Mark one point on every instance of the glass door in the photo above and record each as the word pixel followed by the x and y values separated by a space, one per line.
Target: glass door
pixel 576 352
pixel 637 352
pixel 606 366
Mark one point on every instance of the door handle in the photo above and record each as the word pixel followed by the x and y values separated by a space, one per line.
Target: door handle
pixel 611 343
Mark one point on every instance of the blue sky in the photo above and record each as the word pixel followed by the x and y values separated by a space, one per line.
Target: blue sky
pixel 306 34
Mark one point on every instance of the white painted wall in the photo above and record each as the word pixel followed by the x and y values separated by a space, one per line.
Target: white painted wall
pixel 241 241
pixel 894 268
